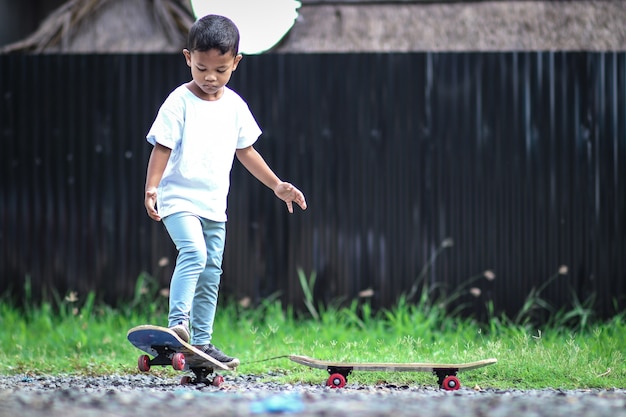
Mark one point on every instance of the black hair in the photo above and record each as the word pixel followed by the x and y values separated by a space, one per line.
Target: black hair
pixel 213 32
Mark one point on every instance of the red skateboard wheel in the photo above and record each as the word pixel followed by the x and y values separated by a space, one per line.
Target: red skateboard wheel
pixel 336 381
pixel 218 380
pixel 178 361
pixel 451 383
pixel 143 363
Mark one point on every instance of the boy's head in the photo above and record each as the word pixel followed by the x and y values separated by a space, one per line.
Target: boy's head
pixel 214 32
pixel 212 54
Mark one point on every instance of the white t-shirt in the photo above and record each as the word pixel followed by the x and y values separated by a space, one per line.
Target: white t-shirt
pixel 203 136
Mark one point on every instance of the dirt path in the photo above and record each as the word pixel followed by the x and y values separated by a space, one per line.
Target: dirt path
pixel 146 395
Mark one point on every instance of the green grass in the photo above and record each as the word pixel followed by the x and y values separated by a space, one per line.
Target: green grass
pixel 76 336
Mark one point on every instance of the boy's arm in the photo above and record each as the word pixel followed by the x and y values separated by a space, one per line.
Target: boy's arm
pixel 257 166
pixel 156 166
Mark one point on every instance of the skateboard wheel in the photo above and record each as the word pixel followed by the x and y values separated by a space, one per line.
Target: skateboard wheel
pixel 336 381
pixel 217 381
pixel 178 361
pixel 451 383
pixel 143 363
pixel 186 380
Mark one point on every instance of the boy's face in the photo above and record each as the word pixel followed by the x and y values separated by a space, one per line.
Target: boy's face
pixel 210 71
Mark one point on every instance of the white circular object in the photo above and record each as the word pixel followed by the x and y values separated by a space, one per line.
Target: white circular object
pixel 262 24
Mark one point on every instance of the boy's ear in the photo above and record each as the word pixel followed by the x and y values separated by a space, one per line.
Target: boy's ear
pixel 187 55
pixel 237 60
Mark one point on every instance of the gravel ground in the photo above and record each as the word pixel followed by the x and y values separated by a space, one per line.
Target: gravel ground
pixel 241 395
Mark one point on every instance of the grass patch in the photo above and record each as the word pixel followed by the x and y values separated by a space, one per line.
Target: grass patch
pixel 76 336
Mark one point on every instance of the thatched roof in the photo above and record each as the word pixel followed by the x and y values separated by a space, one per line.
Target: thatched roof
pixel 405 26
pixel 86 26
pixel 134 26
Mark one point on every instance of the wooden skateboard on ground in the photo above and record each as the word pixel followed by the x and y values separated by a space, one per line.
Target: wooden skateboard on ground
pixel 167 348
pixel 339 371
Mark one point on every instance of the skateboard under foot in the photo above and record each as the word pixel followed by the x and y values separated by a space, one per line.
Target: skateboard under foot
pixel 166 349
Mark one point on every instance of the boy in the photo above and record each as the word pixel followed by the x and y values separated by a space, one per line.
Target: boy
pixel 198 130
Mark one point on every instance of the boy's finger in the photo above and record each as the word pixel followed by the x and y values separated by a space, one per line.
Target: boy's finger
pixel 301 200
pixel 289 207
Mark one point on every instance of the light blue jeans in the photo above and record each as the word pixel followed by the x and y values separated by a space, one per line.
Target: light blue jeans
pixel 196 279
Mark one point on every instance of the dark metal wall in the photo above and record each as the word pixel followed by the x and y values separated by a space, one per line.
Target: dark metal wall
pixel 519 159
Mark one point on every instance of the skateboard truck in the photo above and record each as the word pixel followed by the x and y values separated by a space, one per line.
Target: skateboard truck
pixel 447 378
pixel 338 376
pixel 201 377
pixel 165 356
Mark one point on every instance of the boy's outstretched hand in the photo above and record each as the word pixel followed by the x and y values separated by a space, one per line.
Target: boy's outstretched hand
pixel 290 194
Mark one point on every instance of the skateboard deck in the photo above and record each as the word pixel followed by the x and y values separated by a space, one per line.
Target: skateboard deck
pixel 166 348
pixel 339 371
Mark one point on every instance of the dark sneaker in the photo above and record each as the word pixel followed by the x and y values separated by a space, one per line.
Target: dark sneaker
pixel 217 354
pixel 181 331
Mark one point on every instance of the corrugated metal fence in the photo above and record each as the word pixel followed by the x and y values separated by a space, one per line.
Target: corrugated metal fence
pixel 517 158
